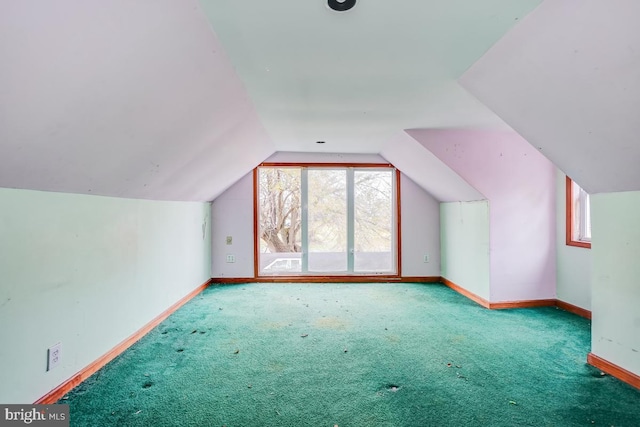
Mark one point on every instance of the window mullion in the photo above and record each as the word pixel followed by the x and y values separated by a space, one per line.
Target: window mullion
pixel 350 220
pixel 304 229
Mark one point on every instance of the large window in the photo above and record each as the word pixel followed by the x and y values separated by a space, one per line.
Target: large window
pixel 578 215
pixel 326 220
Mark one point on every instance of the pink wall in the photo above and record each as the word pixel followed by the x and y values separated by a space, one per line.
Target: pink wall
pixel 520 185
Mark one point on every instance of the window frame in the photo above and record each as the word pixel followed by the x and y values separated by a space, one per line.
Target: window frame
pixel 350 276
pixel 571 215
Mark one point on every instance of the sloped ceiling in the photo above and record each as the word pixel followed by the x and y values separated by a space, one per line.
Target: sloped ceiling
pixel 354 79
pixel 426 170
pixel 121 98
pixel 176 100
pixel 567 79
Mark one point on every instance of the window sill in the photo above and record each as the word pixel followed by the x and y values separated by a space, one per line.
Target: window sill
pixel 579 244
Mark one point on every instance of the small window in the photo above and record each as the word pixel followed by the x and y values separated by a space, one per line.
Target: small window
pixel 578 216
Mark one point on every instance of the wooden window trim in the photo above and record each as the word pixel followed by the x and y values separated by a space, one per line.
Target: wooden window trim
pixel 570 217
pixel 309 278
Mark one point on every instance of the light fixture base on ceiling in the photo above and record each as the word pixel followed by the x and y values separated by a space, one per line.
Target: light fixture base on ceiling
pixel 341 6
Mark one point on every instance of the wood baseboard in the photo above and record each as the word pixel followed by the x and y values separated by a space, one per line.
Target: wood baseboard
pixel 522 304
pixel 517 304
pixel 614 370
pixel 57 393
pixel 231 280
pixel 327 279
pixel 421 279
pixel 574 309
pixel 410 279
pixel 462 291
pixel 307 279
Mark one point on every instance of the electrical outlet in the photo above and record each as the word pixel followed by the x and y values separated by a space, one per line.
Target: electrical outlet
pixel 53 356
pixel 425 258
pixel 231 258
pixel 229 240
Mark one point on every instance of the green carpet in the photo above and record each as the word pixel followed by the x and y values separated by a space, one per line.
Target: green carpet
pixel 355 355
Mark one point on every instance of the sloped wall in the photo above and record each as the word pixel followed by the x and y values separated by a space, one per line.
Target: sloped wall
pixel 566 78
pixel 87 271
pixel 429 172
pixel 520 185
pixel 124 99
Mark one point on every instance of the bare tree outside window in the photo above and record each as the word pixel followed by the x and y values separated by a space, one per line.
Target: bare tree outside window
pixel 280 220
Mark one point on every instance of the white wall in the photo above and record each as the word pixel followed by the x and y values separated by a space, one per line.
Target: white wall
pixel 573 266
pixel 465 245
pixel 420 230
pixel 615 298
pixel 87 271
pixel 232 215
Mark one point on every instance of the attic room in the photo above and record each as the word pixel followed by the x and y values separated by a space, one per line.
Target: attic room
pixel 133 136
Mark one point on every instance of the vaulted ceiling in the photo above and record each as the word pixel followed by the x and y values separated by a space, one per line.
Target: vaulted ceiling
pixel 354 79
pixel 176 100
pixel 568 80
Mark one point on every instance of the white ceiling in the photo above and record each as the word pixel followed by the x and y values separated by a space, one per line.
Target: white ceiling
pixel 176 100
pixel 354 79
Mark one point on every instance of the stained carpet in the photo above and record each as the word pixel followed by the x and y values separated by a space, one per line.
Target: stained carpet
pixel 355 355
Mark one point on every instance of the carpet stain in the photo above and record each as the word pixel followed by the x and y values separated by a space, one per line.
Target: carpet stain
pixel 273 325
pixel 392 338
pixel 458 338
pixel 276 367
pixel 147 384
pixel 330 323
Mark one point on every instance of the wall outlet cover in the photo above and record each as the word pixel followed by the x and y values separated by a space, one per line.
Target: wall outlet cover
pixel 53 356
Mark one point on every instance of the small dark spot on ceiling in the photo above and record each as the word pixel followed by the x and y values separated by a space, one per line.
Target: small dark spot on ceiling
pixel 341 5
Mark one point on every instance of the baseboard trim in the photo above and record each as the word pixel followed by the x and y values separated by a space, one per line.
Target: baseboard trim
pixel 574 309
pixel 522 304
pixel 602 364
pixel 307 279
pixel 410 279
pixel 517 304
pixel 231 280
pixel 462 291
pixel 326 279
pixel 56 394
pixel 421 279
pixel 614 370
